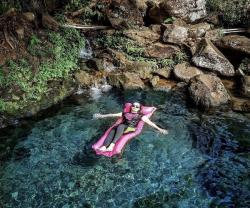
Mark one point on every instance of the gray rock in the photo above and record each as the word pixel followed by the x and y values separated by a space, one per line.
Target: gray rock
pixel 208 91
pixel 163 72
pixel 235 43
pixel 184 72
pixel 161 51
pixel 189 10
pixel 144 36
pixel 246 86
pixel 209 57
pixel 127 80
pixel 175 34
pixel 125 14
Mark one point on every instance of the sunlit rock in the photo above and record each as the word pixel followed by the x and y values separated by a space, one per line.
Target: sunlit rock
pixel 209 57
pixel 189 10
pixel 184 72
pixel 235 43
pixel 208 91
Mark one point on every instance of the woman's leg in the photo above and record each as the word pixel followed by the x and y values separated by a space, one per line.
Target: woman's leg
pixel 119 132
pixel 109 138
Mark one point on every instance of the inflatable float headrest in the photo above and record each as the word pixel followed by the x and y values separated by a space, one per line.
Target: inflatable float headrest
pixel 144 109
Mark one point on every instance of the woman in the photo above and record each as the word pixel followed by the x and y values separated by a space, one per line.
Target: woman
pixel 130 121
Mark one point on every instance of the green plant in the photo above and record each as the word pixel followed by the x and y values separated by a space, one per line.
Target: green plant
pixel 169 20
pixel 120 42
pixel 63 49
pixel 75 4
pixel 233 12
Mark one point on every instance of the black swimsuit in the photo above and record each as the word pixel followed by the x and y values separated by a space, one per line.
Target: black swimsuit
pixel 129 120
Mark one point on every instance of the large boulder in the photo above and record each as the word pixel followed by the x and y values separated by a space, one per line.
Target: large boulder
pixel 160 51
pixel 209 57
pixel 245 86
pixel 236 43
pixel 141 68
pixel 188 10
pixel 208 91
pixel 163 72
pixel 84 79
pixel 240 104
pixel 127 80
pixel 175 34
pixel 184 72
pixel 162 84
pixel 198 30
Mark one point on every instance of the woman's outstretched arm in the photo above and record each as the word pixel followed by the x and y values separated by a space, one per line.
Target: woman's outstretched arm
pixel 98 115
pixel 150 123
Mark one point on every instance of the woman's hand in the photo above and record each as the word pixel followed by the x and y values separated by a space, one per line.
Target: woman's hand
pixel 97 115
pixel 163 131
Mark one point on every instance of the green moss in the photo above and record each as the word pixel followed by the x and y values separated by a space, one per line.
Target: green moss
pixel 234 12
pixel 59 56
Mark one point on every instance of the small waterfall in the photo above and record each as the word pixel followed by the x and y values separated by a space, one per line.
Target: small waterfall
pixel 98 89
pixel 86 52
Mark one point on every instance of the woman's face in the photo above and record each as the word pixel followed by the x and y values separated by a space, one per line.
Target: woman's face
pixel 135 107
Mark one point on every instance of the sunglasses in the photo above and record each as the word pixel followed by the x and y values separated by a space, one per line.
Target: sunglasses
pixel 135 106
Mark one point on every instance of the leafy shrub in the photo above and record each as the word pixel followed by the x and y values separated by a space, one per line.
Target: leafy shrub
pixel 234 12
pixel 63 49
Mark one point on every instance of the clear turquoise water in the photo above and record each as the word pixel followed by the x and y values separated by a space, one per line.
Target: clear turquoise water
pixel 202 162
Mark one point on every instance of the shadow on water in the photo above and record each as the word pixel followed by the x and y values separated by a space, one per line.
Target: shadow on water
pixel 87 156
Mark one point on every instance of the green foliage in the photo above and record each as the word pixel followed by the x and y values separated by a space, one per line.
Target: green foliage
pixel 63 50
pixel 75 4
pixel 234 12
pixel 169 20
pixel 8 107
pixel 122 43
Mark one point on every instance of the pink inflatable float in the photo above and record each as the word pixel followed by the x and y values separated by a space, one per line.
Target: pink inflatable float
pixel 120 144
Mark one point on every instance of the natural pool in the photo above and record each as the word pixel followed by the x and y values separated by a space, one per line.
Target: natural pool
pixel 202 162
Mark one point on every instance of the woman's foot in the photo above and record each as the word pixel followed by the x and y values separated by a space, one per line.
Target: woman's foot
pixel 103 148
pixel 111 147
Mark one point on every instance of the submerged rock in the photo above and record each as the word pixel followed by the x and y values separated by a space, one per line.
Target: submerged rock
pixel 244 73
pixel 189 10
pixel 236 43
pixel 209 57
pixel 208 91
pixel 184 72
pixel 245 86
pixel 240 104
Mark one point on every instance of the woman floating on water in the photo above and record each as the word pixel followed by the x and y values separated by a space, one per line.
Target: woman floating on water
pixel 131 117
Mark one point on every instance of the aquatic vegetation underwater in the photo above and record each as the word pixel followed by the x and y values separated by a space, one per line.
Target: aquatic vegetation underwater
pixel 202 162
